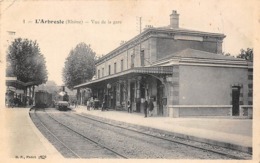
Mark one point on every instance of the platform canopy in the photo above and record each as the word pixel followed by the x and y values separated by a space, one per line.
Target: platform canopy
pixel 163 70
pixel 14 82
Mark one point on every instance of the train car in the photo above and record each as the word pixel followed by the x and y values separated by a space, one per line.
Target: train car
pixel 62 101
pixel 43 99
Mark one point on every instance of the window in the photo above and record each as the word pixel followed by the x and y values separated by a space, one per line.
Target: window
pixel 102 72
pixel 109 69
pixel 98 74
pixel 122 65
pixel 250 93
pixel 142 57
pixel 114 67
pixel 132 61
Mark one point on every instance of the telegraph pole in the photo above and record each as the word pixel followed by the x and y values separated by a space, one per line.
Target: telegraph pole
pixel 140 22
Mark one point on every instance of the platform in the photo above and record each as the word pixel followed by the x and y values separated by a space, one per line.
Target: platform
pixel 22 140
pixel 223 131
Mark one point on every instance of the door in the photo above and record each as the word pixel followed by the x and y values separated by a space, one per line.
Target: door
pixel 113 100
pixel 132 94
pixel 235 100
pixel 142 89
pixel 160 93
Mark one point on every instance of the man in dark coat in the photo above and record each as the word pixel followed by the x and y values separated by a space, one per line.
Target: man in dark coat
pixel 129 109
pixel 151 106
pixel 145 108
pixel 103 106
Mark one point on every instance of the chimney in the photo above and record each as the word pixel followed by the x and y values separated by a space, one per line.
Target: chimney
pixel 174 19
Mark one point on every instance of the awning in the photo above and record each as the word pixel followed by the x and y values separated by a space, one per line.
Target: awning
pixel 13 82
pixel 18 91
pixel 16 84
pixel 137 70
pixel 10 88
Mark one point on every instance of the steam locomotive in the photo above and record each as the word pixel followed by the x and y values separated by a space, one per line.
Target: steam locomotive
pixel 62 100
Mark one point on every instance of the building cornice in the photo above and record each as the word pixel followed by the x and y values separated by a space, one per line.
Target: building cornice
pixel 214 65
pixel 203 62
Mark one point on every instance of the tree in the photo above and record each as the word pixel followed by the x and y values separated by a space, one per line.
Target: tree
pixel 79 65
pixel 25 61
pixel 246 54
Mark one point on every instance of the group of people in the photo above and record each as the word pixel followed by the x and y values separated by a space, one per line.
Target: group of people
pixel 74 103
pixel 148 107
pixel 17 102
pixel 90 104
pixel 95 104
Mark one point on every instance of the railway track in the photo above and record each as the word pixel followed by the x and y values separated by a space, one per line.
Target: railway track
pixel 68 142
pixel 226 154
pixel 82 126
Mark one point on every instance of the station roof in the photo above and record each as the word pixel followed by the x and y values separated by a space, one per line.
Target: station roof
pixel 198 54
pixel 136 70
pixel 201 57
pixel 14 82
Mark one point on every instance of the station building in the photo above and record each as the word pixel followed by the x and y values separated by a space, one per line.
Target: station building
pixel 18 90
pixel 181 70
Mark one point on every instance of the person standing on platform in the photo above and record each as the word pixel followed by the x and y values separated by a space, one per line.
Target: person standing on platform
pixel 145 108
pixel 76 103
pixel 151 106
pixel 88 105
pixel 103 105
pixel 129 109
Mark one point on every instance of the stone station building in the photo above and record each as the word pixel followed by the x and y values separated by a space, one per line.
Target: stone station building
pixel 182 71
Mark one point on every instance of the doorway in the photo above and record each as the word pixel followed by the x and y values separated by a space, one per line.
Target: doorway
pixel 160 95
pixel 132 94
pixel 113 97
pixel 235 100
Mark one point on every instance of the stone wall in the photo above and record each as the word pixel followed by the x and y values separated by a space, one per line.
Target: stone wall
pixel 203 85
pixel 167 46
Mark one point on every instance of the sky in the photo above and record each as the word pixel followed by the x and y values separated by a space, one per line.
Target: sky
pixel 234 18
